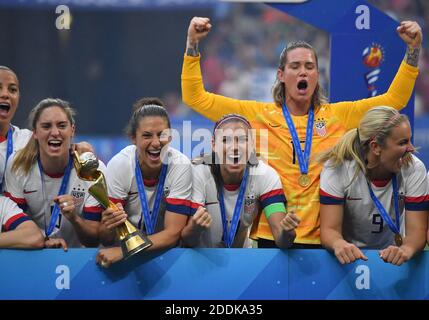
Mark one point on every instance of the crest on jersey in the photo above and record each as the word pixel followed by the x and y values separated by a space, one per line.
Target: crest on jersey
pixel 249 210
pixel 79 195
pixel 166 191
pixel 320 126
pixel 249 204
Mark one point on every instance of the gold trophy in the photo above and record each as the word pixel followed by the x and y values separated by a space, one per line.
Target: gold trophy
pixel 132 240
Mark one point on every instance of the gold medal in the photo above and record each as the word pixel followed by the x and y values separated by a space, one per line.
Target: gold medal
pixel 398 239
pixel 304 180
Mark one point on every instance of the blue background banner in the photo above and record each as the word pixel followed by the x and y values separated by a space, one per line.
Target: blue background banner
pixel 109 4
pixel 209 274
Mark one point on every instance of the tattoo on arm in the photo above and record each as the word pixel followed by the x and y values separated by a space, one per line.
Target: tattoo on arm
pixel 412 56
pixel 193 51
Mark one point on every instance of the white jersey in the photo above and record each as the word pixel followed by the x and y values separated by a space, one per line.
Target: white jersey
pixel 122 186
pixel 263 189
pixel 20 138
pixel 362 222
pixel 11 216
pixel 36 199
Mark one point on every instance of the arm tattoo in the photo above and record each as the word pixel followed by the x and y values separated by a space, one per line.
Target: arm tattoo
pixel 412 56
pixel 193 51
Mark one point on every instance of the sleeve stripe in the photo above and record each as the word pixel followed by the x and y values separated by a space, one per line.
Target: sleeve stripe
pixel 273 199
pixel 417 203
pixel 325 194
pixel 115 201
pixel 417 199
pixel 186 210
pixel 271 194
pixel 195 205
pixel 15 221
pixel 96 209
pixel 326 198
pixel 178 202
pixel 93 216
pixel 422 206
pixel 14 199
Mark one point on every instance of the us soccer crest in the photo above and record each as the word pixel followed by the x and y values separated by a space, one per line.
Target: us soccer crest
pixel 320 126
pixel 249 204
pixel 166 191
pixel 78 194
pixel 249 210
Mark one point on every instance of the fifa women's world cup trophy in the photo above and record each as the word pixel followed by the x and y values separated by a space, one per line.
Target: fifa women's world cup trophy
pixel 132 240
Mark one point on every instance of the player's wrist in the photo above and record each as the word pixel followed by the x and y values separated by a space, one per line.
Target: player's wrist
pixel 74 219
pixel 412 55
pixel 192 48
pixel 338 244
pixel 408 250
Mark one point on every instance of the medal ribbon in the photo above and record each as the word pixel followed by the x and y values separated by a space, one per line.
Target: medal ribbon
pixel 150 219
pixel 386 217
pixel 63 189
pixel 228 237
pixel 303 157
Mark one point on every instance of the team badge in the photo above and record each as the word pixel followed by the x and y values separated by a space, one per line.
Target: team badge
pixel 249 204
pixel 78 195
pixel 249 209
pixel 166 191
pixel 320 126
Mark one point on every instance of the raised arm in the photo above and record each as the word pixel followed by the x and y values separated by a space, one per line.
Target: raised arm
pixel 401 88
pixel 198 29
pixel 211 106
pixel 411 33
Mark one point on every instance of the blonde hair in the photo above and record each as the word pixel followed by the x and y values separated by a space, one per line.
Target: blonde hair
pixel 279 89
pixel 27 156
pixel 376 125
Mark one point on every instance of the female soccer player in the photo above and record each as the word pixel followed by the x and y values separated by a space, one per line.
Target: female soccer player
pixel 370 186
pixel 230 187
pixel 150 180
pixel 41 179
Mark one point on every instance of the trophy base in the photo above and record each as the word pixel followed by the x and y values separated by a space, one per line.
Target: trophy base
pixel 133 244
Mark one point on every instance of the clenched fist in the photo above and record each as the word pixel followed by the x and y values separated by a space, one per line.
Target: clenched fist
pixel 198 29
